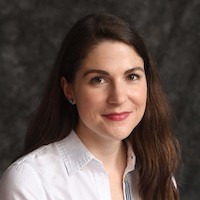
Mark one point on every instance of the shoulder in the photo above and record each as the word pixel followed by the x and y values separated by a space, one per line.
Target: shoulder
pixel 24 177
pixel 19 180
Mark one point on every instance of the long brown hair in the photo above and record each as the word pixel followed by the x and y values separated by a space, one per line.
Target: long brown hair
pixel 153 141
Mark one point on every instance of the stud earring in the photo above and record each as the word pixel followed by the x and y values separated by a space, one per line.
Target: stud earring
pixel 70 101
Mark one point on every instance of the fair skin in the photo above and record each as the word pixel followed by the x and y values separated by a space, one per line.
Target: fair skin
pixel 110 92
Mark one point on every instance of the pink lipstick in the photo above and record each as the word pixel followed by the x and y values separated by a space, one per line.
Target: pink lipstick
pixel 117 116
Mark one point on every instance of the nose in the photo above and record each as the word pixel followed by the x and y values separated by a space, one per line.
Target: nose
pixel 117 94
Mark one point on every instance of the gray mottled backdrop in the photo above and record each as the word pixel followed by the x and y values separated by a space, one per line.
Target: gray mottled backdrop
pixel 31 33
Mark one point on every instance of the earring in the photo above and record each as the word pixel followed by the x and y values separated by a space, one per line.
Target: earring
pixel 70 101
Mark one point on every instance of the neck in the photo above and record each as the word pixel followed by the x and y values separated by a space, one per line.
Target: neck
pixel 111 153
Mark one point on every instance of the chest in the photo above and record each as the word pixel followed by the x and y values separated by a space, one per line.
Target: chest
pixel 91 185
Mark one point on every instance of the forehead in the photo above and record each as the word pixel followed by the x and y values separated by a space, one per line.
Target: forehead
pixel 112 53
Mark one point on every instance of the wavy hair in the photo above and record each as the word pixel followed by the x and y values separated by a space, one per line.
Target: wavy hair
pixel 153 141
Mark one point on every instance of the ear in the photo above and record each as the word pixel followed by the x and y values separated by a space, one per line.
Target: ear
pixel 67 90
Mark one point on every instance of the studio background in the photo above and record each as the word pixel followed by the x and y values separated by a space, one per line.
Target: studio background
pixel 30 36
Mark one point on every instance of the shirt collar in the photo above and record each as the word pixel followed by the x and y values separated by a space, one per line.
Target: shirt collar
pixel 76 156
pixel 131 158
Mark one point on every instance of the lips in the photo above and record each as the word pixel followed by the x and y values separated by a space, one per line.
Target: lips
pixel 117 116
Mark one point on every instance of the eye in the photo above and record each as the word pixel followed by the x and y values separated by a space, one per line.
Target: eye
pixel 98 80
pixel 133 77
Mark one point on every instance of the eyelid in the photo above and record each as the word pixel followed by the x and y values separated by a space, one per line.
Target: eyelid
pixel 94 78
pixel 135 70
pixel 137 75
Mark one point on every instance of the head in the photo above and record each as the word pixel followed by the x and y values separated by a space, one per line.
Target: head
pixel 85 36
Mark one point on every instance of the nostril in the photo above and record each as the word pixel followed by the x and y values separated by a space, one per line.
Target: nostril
pixel 117 97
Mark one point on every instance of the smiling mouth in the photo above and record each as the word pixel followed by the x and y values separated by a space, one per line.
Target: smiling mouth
pixel 117 116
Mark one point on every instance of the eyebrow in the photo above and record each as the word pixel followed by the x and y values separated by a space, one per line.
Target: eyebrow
pixel 98 71
pixel 133 70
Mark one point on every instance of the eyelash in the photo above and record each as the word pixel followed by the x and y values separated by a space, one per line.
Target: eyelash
pixel 136 77
pixel 96 79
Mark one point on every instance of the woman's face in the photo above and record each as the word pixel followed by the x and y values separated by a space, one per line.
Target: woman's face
pixel 110 92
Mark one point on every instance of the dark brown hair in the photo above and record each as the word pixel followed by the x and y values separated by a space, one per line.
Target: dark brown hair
pixel 153 141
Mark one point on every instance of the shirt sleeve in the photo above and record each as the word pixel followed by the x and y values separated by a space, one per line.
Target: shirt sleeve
pixel 20 182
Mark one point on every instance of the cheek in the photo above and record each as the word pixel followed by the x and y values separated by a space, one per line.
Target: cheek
pixel 87 101
pixel 140 95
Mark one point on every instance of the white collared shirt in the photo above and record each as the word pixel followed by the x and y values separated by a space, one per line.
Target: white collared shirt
pixel 64 170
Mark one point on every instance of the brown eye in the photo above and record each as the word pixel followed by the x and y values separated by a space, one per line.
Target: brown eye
pixel 98 80
pixel 133 77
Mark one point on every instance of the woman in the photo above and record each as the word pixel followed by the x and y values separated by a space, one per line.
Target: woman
pixel 102 130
